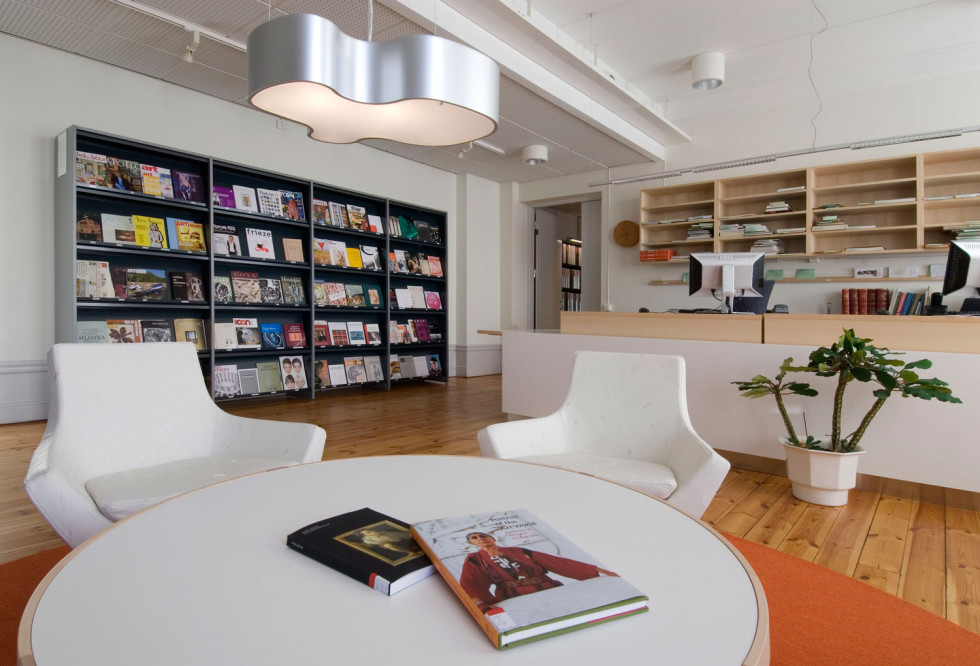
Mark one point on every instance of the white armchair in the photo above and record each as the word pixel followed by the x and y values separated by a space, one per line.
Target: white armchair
pixel 132 425
pixel 624 419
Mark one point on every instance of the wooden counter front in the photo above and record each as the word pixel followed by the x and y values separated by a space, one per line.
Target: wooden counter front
pixel 942 334
pixel 665 325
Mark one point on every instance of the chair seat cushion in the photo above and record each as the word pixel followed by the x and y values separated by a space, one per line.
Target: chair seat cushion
pixel 122 494
pixel 647 477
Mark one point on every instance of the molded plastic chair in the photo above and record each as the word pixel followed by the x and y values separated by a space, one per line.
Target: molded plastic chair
pixel 624 419
pixel 132 425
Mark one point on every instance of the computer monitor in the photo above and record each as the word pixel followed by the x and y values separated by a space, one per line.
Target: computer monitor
pixel 962 267
pixel 752 304
pixel 725 275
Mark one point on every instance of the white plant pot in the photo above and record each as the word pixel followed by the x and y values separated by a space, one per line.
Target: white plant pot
pixel 821 477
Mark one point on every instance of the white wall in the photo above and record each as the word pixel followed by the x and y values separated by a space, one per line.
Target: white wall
pixel 49 90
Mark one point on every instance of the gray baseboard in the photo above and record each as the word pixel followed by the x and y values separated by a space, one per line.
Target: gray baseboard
pixel 23 391
pixel 476 360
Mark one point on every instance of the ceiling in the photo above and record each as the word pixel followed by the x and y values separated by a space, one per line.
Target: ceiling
pixel 601 83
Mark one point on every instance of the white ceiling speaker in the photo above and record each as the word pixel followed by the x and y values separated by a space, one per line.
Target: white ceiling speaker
pixel 708 70
pixel 534 154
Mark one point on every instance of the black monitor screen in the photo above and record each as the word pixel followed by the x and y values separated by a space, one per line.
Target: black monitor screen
pixel 962 266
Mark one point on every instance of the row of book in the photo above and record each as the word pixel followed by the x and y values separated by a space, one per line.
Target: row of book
pixel 142 330
pixel 571 302
pixel 98 170
pixel 571 253
pixel 413 331
pixel 260 243
pixel 345 216
pixel 658 254
pixel 337 253
pixel 228 380
pixel 571 278
pixel 872 301
pixel 100 279
pixel 274 203
pixel 248 287
pixel 402 226
pixel 141 231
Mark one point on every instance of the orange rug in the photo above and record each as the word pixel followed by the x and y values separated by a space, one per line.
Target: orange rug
pixel 816 616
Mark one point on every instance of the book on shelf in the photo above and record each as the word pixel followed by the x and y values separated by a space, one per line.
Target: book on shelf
pixel 245 198
pixel 355 333
pixel 292 205
pixel 357 216
pixel 344 217
pixel 421 329
pixel 336 294
pixel 435 266
pixel 272 336
pixel 247 333
pixel 407 365
pixel 245 285
pixel 421 366
pixel 401 259
pixel 187 186
pixel 338 333
pixel 424 264
pixel 269 202
pixel 374 224
pixel 394 335
pixel 354 257
pixel 293 292
pixel 354 365
pixel 93 279
pixel 222 289
pixel 321 374
pixel 151 180
pixel 403 298
pixel 248 380
pixel 295 335
pixel 373 369
pixel 224 381
pixel 270 379
pixel 424 231
pixel 338 253
pixel 372 296
pixel 225 335
pixel 406 227
pixel 88 227
pixel 91 332
pixel 321 252
pixel 150 231
pixel 435 331
pixel 867 248
pixel 90 168
pixel 320 292
pixel 223 196
pixel 186 235
pixel 292 250
pixel 146 284
pixel 394 368
pixel 413 263
pixel 118 229
pixel 226 240
pixel 338 374
pixel 293 373
pixel 123 330
pixel 131 173
pixel 355 295
pixel 336 219
pixel 189 329
pixel 432 300
pixel 370 259
pixel 393 227
pixel 372 333
pixel 407 332
pixel 417 294
pixel 321 212
pixel 260 243
pixel 435 365
pixel 321 333
pixel 270 291
pixel 186 286
pixel 484 557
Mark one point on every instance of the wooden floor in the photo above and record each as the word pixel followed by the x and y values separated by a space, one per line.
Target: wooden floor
pixel 928 554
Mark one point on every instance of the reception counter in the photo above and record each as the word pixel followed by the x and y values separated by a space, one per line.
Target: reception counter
pixel 911 440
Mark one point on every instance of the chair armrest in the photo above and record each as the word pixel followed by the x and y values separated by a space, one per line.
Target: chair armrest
pixel 261 438
pixel 699 471
pixel 528 437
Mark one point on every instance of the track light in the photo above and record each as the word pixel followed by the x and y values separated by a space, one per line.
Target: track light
pixel 534 154
pixel 708 70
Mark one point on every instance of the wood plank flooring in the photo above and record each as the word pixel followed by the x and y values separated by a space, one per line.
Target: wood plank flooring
pixel 927 554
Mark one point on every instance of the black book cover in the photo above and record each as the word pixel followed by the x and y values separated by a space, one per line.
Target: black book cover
pixel 366 545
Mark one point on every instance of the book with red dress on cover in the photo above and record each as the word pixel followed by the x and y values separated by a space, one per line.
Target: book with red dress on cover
pixel 520 579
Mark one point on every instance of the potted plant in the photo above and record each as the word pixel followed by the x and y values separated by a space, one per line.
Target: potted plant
pixel 824 469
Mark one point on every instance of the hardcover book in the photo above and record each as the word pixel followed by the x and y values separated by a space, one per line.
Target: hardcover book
pixel 424 233
pixel 417 295
pixel 357 216
pixel 222 196
pixel 146 284
pixel 355 369
pixel 156 330
pixel 336 293
pixel 338 374
pixel 321 333
pixel 187 186
pixel 372 366
pixel 226 240
pixel 336 219
pixel 321 374
pixel 150 231
pixel 394 368
pixel 88 227
pixel 522 580
pixel 195 287
pixel 292 249
pixel 190 330
pixel 338 333
pixel 247 334
pixel 270 290
pixel 295 335
pixel 355 295
pixel 123 330
pixel 373 297
pixel 248 379
pixel 338 253
pixel 225 382
pixel 355 333
pixel 222 289
pixel 118 229
pixel 374 224
pixel 292 290
pixel 269 202
pixel 260 243
pixel 293 373
pixel 319 292
pixel 272 337
pixel 370 258
pixel 435 365
pixel 373 333
pixel 225 337
pixel 245 285
pixel 435 265
pixel 366 545
pixel 321 252
pixel 354 258
pixel 407 365
pixel 433 300
pixel 245 198
pixel 270 380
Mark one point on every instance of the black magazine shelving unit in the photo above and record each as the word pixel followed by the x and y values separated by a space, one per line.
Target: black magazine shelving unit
pixel 279 257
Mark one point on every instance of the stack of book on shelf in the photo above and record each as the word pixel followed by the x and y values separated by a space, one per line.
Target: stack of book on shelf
pixel 505 567
pixel 778 207
pixel 658 254
pixel 965 231
pixel 731 230
pixel 828 223
pixel 700 231
pixel 768 245
pixel 791 230
pixel 754 229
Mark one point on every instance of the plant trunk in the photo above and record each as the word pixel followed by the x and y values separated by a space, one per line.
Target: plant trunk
pixel 865 422
pixel 789 424
pixel 835 444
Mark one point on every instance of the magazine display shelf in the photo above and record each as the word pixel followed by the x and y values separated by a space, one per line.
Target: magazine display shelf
pixel 75 312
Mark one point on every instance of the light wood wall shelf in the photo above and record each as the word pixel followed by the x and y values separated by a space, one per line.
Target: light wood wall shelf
pixel 901 204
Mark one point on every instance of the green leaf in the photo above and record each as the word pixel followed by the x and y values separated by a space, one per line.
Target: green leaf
pixel 861 374
pixel 924 364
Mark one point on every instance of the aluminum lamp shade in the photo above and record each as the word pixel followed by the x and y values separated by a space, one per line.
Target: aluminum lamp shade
pixel 420 89
pixel 708 70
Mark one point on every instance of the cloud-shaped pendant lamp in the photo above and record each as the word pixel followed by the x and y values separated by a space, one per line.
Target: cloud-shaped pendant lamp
pixel 420 89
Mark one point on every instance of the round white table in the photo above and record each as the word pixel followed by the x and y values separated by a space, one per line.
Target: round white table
pixel 206 578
